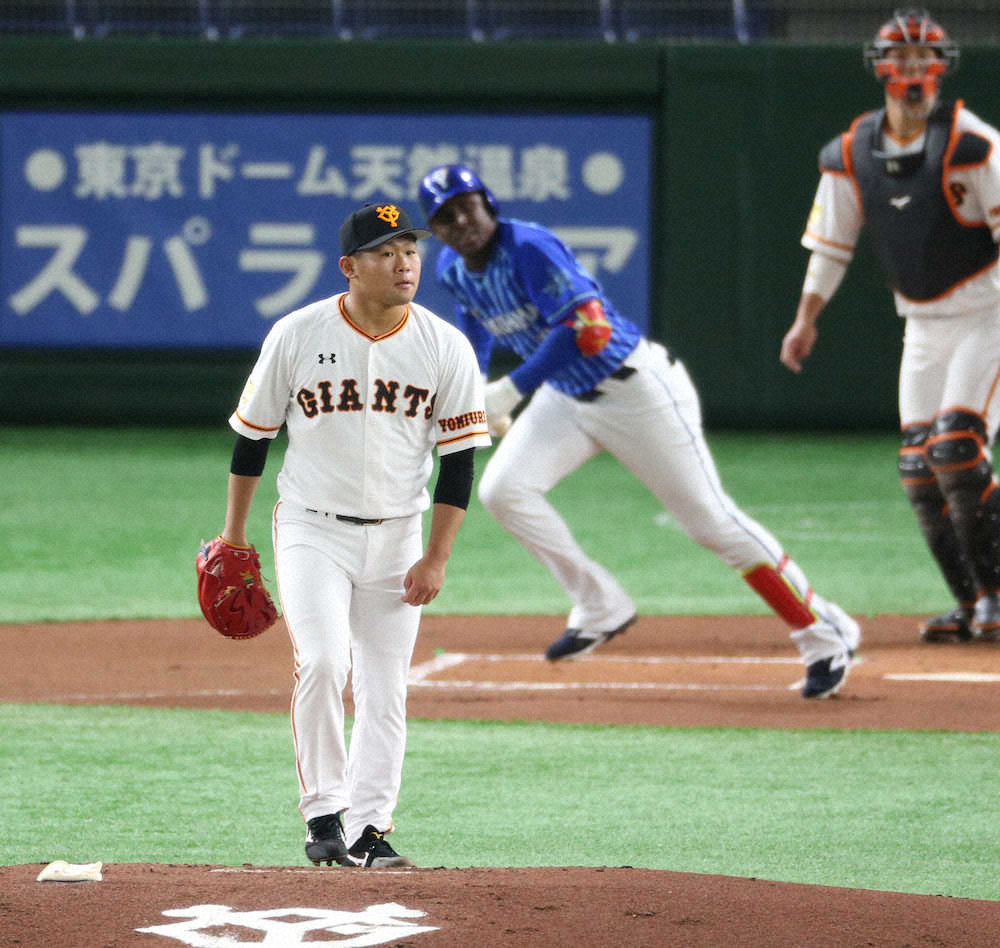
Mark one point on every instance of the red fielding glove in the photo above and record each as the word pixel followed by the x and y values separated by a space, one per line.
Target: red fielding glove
pixel 231 591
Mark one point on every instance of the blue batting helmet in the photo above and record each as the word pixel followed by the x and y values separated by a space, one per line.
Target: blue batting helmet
pixel 445 182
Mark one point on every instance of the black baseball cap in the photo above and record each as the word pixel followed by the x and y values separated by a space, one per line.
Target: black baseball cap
pixel 374 224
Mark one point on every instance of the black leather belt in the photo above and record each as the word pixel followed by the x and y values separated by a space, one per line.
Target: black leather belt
pixel 360 521
pixel 621 373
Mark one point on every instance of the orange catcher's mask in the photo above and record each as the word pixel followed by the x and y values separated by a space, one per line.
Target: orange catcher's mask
pixel 913 77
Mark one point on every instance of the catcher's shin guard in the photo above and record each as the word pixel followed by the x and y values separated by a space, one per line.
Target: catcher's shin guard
pixel 785 589
pixel 957 454
pixel 931 509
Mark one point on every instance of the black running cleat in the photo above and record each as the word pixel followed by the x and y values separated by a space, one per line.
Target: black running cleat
pixel 986 618
pixel 371 851
pixel 954 626
pixel 827 676
pixel 325 841
pixel 575 642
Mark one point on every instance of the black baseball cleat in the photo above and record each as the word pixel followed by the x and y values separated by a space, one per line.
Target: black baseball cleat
pixel 575 642
pixel 325 841
pixel 371 851
pixel 986 618
pixel 954 626
pixel 827 676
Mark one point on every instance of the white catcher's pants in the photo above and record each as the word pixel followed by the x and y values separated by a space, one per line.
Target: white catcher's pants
pixel 652 423
pixel 340 586
pixel 950 362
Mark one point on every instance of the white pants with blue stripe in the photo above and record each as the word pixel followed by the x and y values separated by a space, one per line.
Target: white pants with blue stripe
pixel 651 422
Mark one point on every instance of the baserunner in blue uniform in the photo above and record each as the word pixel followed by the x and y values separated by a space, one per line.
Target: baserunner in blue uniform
pixel 597 384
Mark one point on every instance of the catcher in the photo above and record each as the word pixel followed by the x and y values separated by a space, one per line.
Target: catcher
pixel 922 176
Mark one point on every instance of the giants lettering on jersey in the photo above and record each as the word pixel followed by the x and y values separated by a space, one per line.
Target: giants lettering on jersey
pixel 384 398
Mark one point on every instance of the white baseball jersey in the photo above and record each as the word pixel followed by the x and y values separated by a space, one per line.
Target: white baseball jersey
pixel 363 413
pixel 836 218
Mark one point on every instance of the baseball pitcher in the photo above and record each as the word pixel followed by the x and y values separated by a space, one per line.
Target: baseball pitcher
pixel 368 385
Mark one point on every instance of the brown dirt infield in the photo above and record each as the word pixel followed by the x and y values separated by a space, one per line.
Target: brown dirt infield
pixel 677 671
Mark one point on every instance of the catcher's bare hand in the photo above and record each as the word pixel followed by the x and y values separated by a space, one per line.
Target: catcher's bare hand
pixel 797 345
pixel 231 591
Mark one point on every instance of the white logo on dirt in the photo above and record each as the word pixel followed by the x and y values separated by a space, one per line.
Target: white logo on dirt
pixel 219 926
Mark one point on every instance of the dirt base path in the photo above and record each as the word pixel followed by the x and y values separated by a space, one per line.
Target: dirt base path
pixel 667 670
pixel 677 671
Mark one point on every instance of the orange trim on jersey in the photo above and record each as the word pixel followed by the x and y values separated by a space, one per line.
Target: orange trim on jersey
pixel 250 424
pixel 845 156
pixel 992 486
pixel 952 142
pixel 951 289
pixel 946 167
pixel 830 243
pixel 463 437
pixel 385 335
pixel 846 142
pixel 295 734
pixel 977 164
pixel 989 395
pixel 295 655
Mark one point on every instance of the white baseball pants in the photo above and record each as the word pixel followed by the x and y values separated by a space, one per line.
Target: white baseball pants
pixel 652 423
pixel 340 586
pixel 951 362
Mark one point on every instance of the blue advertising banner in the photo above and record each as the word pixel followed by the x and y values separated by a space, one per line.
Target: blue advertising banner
pixel 195 229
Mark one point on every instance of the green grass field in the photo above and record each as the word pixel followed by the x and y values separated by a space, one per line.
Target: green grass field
pixel 863 809
pixel 105 523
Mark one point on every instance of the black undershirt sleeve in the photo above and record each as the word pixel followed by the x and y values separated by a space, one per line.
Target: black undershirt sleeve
pixel 249 456
pixel 454 482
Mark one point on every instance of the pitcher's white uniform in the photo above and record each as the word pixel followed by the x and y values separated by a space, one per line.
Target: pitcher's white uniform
pixel 363 414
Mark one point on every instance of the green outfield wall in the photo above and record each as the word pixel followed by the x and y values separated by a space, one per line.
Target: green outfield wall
pixel 737 130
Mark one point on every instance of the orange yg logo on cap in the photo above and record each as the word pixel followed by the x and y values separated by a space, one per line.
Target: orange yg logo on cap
pixel 388 213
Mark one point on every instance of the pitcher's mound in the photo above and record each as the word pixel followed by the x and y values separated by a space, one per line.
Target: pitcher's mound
pixel 152 905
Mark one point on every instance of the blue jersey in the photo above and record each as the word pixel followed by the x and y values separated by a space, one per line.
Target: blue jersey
pixel 532 283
